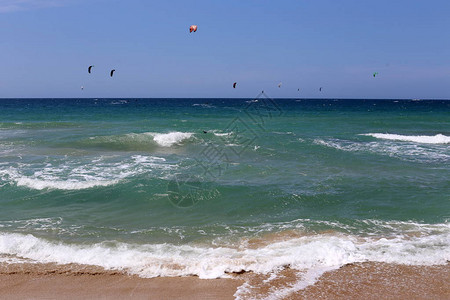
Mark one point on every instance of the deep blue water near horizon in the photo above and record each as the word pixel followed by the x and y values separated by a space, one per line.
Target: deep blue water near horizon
pixel 136 181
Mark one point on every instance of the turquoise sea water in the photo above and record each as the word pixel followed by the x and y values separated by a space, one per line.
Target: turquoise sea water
pixel 167 187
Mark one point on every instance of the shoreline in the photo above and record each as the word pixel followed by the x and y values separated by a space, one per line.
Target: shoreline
pixel 353 281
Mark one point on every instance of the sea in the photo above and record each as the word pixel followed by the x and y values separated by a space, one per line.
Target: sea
pixel 212 187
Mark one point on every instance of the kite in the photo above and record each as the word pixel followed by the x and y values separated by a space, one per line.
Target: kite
pixel 193 28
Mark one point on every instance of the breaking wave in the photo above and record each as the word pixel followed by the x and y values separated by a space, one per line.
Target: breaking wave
pixel 404 151
pixel 138 141
pixel 311 252
pixel 424 139
pixel 171 138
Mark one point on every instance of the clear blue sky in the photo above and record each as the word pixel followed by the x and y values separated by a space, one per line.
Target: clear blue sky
pixel 47 45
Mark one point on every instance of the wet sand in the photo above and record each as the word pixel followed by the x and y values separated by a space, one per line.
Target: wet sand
pixel 381 281
pixel 355 281
pixel 28 286
pixel 49 281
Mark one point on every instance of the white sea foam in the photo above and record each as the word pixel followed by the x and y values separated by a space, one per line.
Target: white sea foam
pixel 406 151
pixel 61 185
pixel 171 138
pixel 53 225
pixel 424 139
pixel 143 139
pixel 14 260
pixel 245 291
pixel 308 253
pixel 76 175
pixel 222 133
pixel 429 244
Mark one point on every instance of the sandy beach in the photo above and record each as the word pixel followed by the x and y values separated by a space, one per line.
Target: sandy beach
pixel 381 281
pixel 355 281
pixel 80 282
pixel 247 150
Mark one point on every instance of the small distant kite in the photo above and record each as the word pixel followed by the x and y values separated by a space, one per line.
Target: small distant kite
pixel 112 72
pixel 320 89
pixel 82 87
pixel 375 74
pixel 193 28
pixel 89 69
pixel 279 85
pixel 298 90
pixel 234 85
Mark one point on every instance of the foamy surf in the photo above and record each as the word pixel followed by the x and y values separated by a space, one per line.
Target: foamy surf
pixel 421 152
pixel 171 138
pixel 138 141
pixel 305 253
pixel 38 184
pixel 217 133
pixel 423 139
pixel 73 175
pixel 251 289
